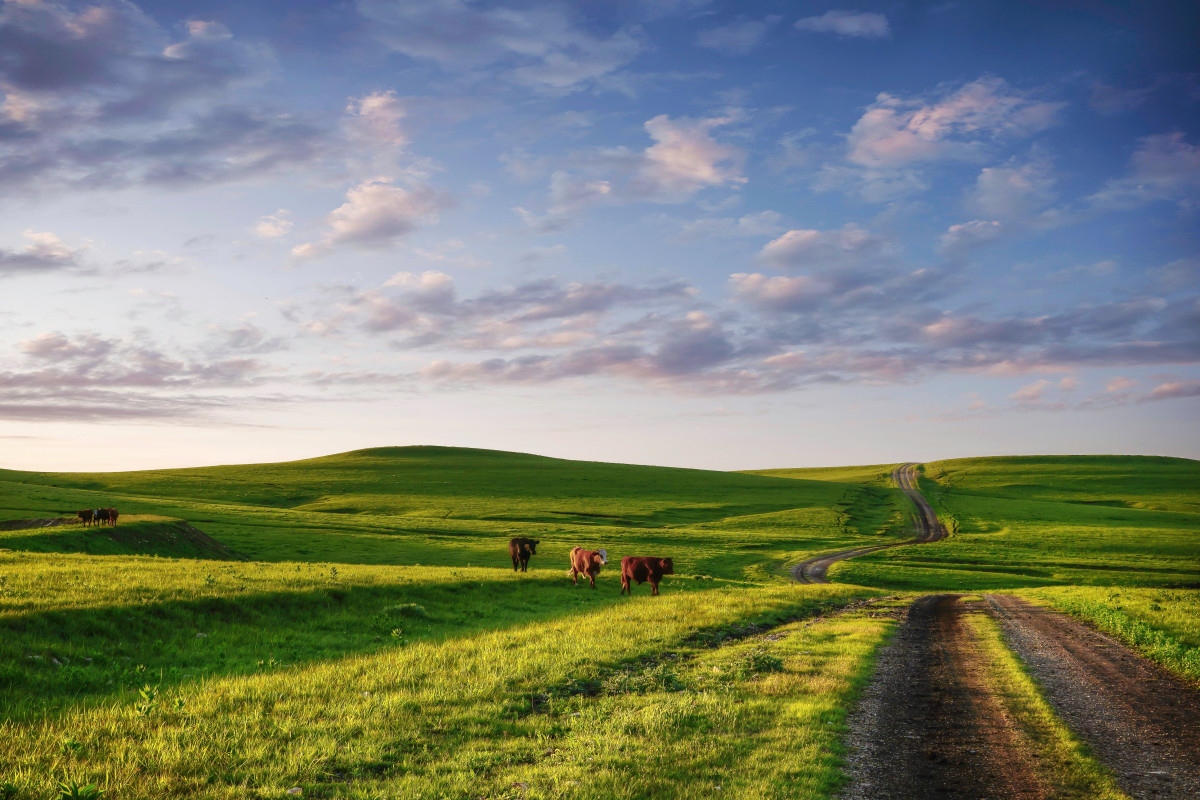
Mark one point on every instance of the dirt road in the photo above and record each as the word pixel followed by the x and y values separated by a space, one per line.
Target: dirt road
pixel 813 570
pixel 928 726
pixel 1140 721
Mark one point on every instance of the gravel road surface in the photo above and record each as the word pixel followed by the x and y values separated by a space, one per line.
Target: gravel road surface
pixel 1140 721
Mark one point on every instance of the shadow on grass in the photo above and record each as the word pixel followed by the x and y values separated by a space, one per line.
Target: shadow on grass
pixel 52 660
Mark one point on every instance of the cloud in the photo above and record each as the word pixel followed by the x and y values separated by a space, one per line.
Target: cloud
pixel 760 223
pixel 88 377
pixel 274 226
pixel 1031 393
pixel 962 239
pixel 44 253
pixel 685 159
pixel 1173 389
pixel 814 249
pixel 1163 167
pixel 540 47
pixel 894 131
pixel 857 24
pixel 374 119
pixel 103 97
pixel 737 38
pixel 1013 191
pixel 375 215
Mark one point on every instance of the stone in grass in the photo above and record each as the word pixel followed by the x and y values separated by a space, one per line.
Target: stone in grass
pixel 296 790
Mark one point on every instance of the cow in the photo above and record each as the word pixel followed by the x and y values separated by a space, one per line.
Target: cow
pixel 105 515
pixel 587 562
pixel 642 569
pixel 112 516
pixel 521 549
pixel 85 516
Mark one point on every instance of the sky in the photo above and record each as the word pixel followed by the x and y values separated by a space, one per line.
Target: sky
pixel 725 235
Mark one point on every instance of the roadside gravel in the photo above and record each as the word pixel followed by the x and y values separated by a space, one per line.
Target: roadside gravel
pixel 1140 721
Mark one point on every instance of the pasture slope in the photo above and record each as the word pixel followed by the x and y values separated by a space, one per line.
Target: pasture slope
pixel 350 626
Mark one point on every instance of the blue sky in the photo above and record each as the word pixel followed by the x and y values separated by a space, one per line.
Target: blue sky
pixel 722 235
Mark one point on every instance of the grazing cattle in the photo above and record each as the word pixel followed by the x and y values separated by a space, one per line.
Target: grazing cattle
pixel 521 549
pixel 642 569
pixel 112 516
pixel 587 562
pixel 105 515
pixel 85 516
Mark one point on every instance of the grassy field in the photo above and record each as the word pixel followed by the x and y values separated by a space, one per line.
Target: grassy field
pixel 154 679
pixel 1051 520
pixel 351 626
pixel 450 506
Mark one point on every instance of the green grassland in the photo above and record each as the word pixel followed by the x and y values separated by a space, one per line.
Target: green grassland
pixel 1050 520
pixel 452 506
pixel 352 626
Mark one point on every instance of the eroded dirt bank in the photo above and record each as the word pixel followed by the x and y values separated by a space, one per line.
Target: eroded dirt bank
pixel 928 727
pixel 1141 722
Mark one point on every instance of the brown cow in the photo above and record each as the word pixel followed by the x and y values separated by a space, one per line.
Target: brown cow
pixel 587 562
pixel 85 516
pixel 105 515
pixel 642 569
pixel 521 549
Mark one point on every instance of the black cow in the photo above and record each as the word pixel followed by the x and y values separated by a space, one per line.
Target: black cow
pixel 521 549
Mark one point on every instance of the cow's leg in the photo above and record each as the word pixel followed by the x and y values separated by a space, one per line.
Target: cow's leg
pixel 592 578
pixel 574 576
pixel 653 588
pixel 515 563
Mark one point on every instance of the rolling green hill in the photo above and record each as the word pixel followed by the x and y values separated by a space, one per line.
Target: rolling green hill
pixel 1051 520
pixel 452 506
pixel 351 625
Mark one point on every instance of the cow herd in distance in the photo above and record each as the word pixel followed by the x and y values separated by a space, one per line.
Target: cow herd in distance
pixel 639 569
pixel 97 516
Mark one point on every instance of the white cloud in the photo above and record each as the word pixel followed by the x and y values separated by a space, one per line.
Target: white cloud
pixel 959 240
pixel 1013 191
pixel 1172 389
pixel 776 292
pixel 376 213
pixel 274 226
pixel 737 38
pixel 761 223
pixel 685 159
pixel 1164 167
pixel 374 120
pixel 860 24
pixel 872 185
pixel 538 46
pixel 44 252
pixel 813 249
pixel 1031 393
pixel 895 131
pixel 1119 384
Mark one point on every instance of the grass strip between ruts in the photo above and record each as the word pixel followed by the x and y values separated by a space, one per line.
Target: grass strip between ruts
pixel 1064 762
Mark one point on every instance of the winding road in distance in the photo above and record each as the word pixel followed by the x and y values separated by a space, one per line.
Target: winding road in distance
pixel 929 529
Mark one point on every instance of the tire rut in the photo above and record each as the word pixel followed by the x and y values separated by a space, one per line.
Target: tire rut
pixel 929 529
pixel 1141 722
pixel 927 726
